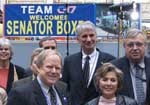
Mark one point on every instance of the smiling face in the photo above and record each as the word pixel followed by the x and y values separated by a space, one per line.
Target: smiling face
pixel 50 71
pixel 135 48
pixel 109 85
pixel 87 40
pixel 5 53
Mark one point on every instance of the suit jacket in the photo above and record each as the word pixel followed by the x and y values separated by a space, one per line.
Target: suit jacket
pixel 31 94
pixel 123 64
pixel 121 100
pixel 28 71
pixel 20 72
pixel 22 81
pixel 73 76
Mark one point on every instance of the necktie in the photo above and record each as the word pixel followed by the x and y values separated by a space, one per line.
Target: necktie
pixel 86 70
pixel 52 96
pixel 139 85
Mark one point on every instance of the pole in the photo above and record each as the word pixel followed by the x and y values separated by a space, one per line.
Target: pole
pixel 67 53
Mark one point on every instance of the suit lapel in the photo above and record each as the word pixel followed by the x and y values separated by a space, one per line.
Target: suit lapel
pixel 147 73
pixel 120 100
pixel 98 64
pixel 127 76
pixel 78 66
pixel 99 61
pixel 40 99
pixel 61 93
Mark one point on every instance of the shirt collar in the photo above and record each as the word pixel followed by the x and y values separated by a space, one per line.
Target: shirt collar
pixel 90 55
pixel 141 64
pixel 44 87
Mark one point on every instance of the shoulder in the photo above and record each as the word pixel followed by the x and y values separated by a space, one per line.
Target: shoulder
pixel 22 81
pixel 20 70
pixel 19 95
pixel 106 56
pixel 61 85
pixel 93 101
pixel 120 61
pixel 78 54
pixel 73 58
pixel 128 100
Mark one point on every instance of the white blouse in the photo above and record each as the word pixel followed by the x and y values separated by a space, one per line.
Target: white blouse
pixel 104 101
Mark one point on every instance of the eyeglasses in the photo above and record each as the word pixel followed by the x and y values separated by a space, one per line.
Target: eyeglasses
pixel 50 47
pixel 132 44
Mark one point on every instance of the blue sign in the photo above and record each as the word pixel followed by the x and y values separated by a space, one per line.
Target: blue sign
pixel 46 19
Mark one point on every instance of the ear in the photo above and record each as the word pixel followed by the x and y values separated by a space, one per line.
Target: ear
pixel 37 68
pixel 60 75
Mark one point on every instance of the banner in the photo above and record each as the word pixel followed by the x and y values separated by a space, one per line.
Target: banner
pixel 56 20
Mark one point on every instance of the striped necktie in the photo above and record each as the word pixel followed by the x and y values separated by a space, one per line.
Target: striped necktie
pixel 139 85
pixel 52 96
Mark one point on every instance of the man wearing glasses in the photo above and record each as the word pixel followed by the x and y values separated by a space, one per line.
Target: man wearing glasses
pixel 136 67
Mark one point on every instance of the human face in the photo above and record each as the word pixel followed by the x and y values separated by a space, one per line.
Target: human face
pixel 33 66
pixel 51 70
pixel 5 53
pixel 87 40
pixel 135 48
pixel 49 44
pixel 108 85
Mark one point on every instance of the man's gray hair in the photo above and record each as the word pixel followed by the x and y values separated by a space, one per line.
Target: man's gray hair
pixel 42 56
pixel 133 32
pixel 85 25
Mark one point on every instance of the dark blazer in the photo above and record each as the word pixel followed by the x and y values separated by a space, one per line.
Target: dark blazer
pixel 20 72
pixel 28 71
pixel 73 76
pixel 31 94
pixel 22 81
pixel 121 100
pixel 123 64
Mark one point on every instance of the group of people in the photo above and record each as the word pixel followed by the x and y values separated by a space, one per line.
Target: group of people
pixel 89 77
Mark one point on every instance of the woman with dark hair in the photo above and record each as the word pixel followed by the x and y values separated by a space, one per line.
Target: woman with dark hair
pixel 8 71
pixel 108 80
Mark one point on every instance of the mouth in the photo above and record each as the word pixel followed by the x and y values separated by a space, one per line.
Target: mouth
pixel 108 89
pixel 4 55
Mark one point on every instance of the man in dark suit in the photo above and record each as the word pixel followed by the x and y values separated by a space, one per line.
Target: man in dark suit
pixel 46 89
pixel 73 69
pixel 135 46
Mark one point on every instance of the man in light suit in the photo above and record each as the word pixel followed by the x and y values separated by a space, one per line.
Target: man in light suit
pixel 73 65
pixel 38 92
pixel 135 47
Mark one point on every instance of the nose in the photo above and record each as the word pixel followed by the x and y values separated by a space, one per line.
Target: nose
pixel 134 46
pixel 53 70
pixel 108 82
pixel 88 38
